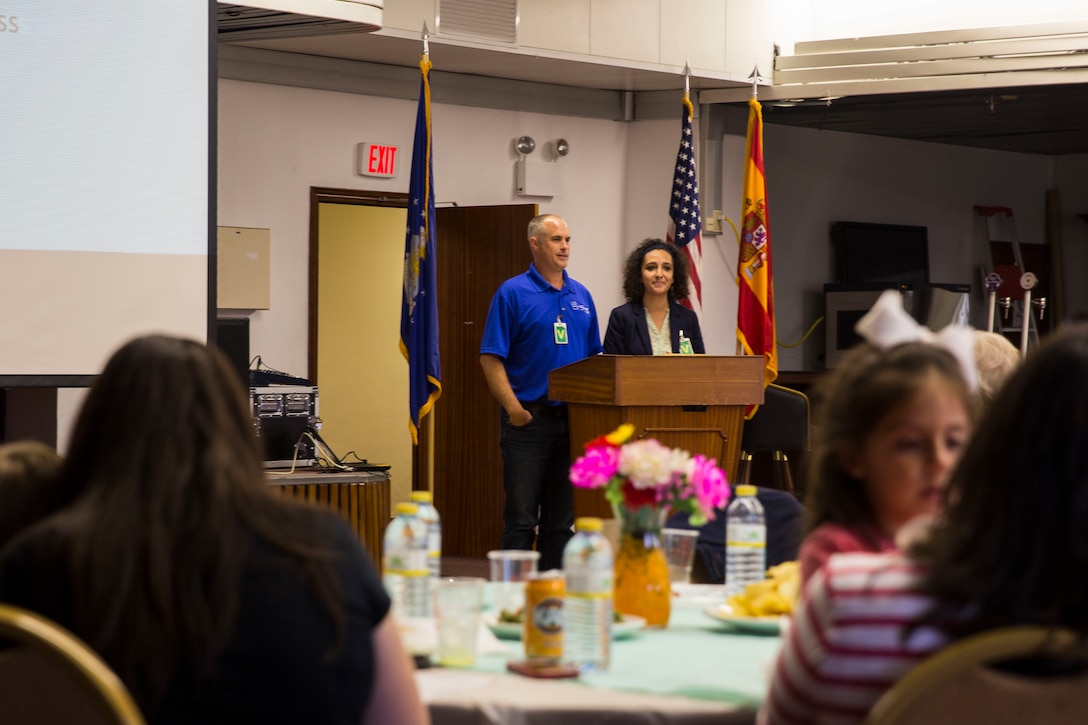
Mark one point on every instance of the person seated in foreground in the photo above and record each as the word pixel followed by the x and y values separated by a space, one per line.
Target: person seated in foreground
pixel 891 423
pixel 1010 549
pixel 214 600
pixel 652 322
pixel 29 488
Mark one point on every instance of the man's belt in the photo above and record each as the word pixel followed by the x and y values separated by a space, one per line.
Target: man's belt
pixel 542 410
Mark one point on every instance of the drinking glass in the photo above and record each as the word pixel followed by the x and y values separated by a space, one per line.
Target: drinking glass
pixel 679 545
pixel 458 604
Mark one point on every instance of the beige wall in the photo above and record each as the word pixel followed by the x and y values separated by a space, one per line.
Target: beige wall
pixel 362 376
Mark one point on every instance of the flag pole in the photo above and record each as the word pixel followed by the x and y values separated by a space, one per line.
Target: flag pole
pixel 755 297
pixel 685 220
pixel 754 77
pixel 426 36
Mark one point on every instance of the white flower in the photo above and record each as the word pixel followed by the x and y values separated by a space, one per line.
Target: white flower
pixel 647 463
pixel 681 462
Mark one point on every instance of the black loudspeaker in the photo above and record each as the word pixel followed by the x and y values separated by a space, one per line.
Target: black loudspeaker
pixel 232 338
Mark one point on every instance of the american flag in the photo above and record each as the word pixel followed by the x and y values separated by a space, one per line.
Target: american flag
pixel 685 222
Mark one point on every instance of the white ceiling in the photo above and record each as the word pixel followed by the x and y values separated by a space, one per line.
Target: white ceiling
pixel 1055 122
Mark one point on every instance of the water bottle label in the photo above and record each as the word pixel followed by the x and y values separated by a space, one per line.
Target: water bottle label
pixel 408 563
pixel 746 535
pixel 590 583
pixel 434 543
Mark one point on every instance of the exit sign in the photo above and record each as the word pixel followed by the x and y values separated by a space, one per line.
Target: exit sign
pixel 376 159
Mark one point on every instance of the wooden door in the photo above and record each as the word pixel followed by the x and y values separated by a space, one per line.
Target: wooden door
pixel 478 249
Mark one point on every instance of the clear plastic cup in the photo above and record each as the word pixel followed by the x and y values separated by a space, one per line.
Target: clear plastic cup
pixel 679 546
pixel 458 605
pixel 511 568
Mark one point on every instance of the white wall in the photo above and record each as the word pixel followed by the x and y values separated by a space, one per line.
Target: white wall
pixel 818 177
pixel 1071 180
pixel 276 142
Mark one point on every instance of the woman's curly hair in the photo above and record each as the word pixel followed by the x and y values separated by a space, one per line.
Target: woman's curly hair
pixel 633 288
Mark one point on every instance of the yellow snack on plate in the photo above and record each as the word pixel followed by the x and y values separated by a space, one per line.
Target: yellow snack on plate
pixel 772 597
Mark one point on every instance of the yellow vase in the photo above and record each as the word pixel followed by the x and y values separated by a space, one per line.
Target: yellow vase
pixel 642 574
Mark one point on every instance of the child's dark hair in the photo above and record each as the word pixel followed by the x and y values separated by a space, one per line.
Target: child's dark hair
pixel 29 487
pixel 867 384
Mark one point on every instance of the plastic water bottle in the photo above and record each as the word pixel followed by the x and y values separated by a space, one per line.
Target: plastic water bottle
pixel 587 620
pixel 404 563
pixel 428 514
pixel 745 541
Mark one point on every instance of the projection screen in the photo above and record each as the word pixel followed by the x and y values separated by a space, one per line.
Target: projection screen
pixel 106 168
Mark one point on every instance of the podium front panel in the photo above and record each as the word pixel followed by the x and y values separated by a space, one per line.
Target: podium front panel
pixel 714 431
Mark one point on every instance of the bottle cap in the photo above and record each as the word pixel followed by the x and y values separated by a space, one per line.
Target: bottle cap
pixel 407 509
pixel 745 490
pixel 588 523
pixel 422 496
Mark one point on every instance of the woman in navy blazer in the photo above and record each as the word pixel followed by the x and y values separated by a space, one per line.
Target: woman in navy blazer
pixel 655 275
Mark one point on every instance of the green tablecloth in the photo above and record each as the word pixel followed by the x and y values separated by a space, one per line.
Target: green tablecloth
pixel 695 656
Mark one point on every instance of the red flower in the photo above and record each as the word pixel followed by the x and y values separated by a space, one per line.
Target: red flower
pixel 599 442
pixel 633 497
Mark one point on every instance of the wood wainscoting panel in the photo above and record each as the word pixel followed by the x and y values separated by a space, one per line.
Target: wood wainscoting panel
pixel 362 498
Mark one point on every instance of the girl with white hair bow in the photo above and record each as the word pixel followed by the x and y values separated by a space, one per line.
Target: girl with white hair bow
pixel 891 423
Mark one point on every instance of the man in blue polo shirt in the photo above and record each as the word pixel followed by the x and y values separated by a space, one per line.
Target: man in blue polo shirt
pixel 538 321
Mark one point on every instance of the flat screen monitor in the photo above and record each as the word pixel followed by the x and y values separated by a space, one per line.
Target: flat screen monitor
pixel 866 253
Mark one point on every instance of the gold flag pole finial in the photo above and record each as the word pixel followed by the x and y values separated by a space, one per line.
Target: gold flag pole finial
pixel 755 77
pixel 426 35
pixel 687 80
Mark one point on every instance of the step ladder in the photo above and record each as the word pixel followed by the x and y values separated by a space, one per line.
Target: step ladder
pixel 1011 308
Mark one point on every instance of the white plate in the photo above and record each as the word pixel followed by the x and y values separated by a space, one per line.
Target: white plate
pixel 513 630
pixel 697 596
pixel 751 625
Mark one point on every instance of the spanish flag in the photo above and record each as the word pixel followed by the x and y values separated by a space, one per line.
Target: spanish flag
pixel 755 304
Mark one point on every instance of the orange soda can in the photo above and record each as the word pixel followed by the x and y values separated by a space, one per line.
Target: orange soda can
pixel 543 618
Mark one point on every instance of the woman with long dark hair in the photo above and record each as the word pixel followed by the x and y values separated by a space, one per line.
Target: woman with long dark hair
pixel 213 599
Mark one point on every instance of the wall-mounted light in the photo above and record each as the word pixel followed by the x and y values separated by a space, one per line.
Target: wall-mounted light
pixel 543 177
pixel 525 145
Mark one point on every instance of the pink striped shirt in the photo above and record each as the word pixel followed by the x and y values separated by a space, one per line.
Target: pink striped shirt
pixel 845 646
pixel 832 538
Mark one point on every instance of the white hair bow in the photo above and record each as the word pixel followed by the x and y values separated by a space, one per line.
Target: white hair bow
pixel 887 324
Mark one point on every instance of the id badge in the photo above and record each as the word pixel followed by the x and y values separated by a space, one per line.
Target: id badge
pixel 559 329
pixel 685 345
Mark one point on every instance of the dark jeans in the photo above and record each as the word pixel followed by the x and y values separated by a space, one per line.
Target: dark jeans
pixel 536 470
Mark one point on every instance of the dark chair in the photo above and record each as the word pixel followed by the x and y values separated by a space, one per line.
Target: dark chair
pixel 781 424
pixel 785 528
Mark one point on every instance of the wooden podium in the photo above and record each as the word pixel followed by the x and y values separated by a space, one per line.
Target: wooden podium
pixel 694 402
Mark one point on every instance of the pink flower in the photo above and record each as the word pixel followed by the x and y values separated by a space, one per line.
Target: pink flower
pixel 595 468
pixel 644 475
pixel 708 484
